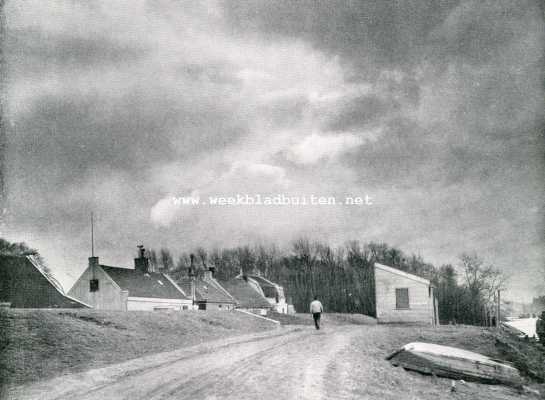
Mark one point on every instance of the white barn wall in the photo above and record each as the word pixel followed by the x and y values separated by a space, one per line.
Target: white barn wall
pixel 421 308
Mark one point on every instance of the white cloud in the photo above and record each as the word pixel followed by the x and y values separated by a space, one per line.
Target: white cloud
pixel 316 147
pixel 250 170
pixel 170 208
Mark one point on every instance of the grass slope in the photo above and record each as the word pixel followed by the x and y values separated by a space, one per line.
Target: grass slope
pixel 332 319
pixel 365 358
pixel 37 344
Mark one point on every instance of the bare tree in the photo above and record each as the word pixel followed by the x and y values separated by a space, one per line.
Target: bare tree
pixel 167 262
pixel 202 254
pixel 306 255
pixel 482 282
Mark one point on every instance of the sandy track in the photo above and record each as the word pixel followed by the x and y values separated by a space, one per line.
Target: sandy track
pixel 287 363
pixel 342 362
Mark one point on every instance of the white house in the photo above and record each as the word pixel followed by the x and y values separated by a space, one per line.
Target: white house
pixel 403 297
pixel 113 288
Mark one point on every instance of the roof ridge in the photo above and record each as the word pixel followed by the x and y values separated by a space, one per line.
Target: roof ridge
pixel 402 273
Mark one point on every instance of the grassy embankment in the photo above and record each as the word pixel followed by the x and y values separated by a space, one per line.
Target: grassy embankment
pixel 37 344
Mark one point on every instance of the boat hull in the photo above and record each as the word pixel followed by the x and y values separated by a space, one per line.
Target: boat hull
pixel 450 362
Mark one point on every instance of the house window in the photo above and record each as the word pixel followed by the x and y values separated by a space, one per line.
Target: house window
pixel 185 308
pixel 402 298
pixel 93 285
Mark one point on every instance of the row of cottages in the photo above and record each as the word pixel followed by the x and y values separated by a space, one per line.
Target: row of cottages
pixel 401 297
pixel 25 283
pixel 114 288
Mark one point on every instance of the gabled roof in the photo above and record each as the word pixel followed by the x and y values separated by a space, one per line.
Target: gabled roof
pixel 14 276
pixel 152 285
pixel 402 273
pixel 262 281
pixel 245 294
pixel 207 290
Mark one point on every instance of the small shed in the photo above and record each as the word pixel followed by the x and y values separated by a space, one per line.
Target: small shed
pixel 402 297
pixel 24 283
pixel 113 288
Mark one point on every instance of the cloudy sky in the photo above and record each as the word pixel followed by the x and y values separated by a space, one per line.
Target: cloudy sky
pixel 433 108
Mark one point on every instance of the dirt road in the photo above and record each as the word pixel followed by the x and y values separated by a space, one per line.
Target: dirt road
pixel 343 362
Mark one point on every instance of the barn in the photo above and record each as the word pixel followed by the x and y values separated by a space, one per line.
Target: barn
pixel 113 288
pixel 24 283
pixel 402 297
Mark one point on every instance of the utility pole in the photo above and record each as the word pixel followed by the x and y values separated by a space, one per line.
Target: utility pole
pixel 92 237
pixel 498 310
pixel 192 277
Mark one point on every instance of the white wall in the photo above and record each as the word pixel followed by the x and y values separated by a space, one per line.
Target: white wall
pixel 420 302
pixel 151 304
pixel 108 297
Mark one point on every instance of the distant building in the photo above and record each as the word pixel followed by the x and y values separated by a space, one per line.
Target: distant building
pixel 273 293
pixel 24 283
pixel 403 297
pixel 248 294
pixel 208 292
pixel 113 288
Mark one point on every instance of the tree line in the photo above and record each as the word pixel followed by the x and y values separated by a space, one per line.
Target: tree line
pixel 343 277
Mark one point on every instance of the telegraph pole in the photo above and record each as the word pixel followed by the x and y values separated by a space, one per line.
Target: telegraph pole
pixel 92 237
pixel 498 310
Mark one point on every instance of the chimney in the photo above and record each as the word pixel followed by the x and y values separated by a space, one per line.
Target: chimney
pixel 141 263
pixel 191 273
pixel 93 264
pixel 209 273
pixel 191 269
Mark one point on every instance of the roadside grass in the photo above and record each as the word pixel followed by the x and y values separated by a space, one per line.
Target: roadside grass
pixel 38 344
pixel 334 319
pixel 366 357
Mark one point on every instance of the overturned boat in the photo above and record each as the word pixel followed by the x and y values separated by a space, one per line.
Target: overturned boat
pixel 454 363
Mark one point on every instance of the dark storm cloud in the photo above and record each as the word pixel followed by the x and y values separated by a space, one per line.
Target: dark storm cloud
pixel 366 33
pixel 35 49
pixel 360 112
pixel 130 133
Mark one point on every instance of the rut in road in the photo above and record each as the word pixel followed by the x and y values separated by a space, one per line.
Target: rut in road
pixel 296 369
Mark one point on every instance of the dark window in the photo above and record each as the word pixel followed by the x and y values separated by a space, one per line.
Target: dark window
pixel 93 285
pixel 402 298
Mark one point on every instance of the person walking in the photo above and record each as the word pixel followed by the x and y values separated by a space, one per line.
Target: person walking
pixel 316 309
